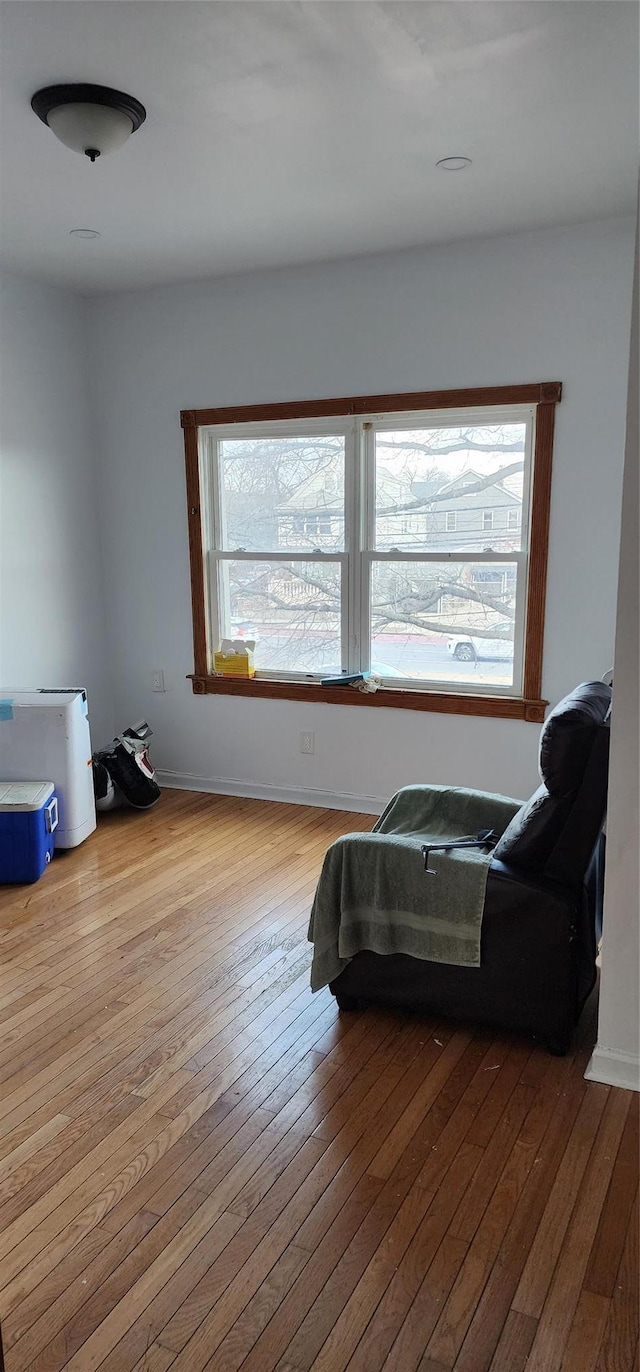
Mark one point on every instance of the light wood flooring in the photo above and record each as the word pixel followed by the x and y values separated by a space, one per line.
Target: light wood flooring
pixel 202 1166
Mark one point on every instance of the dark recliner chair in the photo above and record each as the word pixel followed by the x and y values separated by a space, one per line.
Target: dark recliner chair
pixel 543 896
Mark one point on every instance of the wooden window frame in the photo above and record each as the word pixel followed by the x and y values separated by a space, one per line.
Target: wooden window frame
pixel 528 705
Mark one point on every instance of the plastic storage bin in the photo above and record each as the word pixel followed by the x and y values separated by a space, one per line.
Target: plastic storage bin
pixel 28 820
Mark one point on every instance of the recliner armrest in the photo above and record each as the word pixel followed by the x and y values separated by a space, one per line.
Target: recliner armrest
pixel 503 872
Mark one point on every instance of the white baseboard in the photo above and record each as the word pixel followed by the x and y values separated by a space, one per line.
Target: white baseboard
pixel 615 1068
pixel 289 795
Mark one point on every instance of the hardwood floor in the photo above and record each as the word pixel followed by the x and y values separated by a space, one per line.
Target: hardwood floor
pixel 202 1166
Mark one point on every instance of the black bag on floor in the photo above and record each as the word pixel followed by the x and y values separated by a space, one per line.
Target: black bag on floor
pixel 123 773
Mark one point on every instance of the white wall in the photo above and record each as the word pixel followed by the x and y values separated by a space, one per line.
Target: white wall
pixel 52 623
pixel 552 305
pixel 617 1054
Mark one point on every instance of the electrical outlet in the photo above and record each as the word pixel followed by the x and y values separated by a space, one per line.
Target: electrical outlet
pixel 158 681
pixel 307 743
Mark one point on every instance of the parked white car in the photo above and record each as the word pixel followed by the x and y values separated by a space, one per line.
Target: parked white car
pixel 468 648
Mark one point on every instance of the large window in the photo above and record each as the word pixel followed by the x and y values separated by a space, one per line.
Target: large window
pixel 404 542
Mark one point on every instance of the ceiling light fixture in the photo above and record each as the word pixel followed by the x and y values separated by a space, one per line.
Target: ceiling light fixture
pixel 84 233
pixel 93 120
pixel 453 163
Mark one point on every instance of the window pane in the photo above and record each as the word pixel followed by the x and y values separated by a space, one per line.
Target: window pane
pixel 456 489
pixel 282 492
pixel 291 609
pixel 446 622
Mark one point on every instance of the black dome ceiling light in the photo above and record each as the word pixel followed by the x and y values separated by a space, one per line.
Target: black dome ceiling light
pixel 93 120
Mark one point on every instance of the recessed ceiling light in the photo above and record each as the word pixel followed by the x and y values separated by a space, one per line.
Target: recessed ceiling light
pixel 453 163
pixel 84 233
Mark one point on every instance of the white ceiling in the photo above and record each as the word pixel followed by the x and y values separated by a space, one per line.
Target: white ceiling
pixel 282 131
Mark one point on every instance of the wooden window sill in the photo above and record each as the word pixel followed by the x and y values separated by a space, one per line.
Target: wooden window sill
pixel 390 698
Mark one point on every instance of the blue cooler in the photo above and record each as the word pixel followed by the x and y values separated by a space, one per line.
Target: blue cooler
pixel 28 818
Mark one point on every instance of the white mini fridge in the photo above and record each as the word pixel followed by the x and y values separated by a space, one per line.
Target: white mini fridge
pixel 46 734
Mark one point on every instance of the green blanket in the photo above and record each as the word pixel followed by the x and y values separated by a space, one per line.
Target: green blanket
pixel 374 893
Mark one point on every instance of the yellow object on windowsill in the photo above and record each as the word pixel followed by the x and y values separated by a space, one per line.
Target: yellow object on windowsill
pixel 235 658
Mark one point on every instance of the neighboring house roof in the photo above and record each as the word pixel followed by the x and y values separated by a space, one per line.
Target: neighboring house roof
pixel 493 495
pixel 424 490
pixel 312 497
